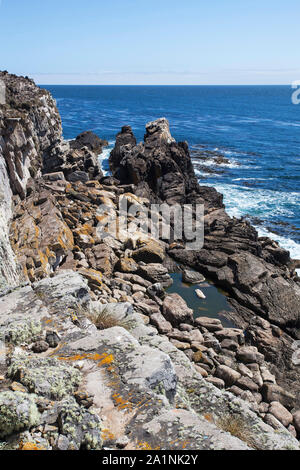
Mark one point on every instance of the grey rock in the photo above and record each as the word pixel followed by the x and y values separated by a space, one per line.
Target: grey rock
pixel 52 338
pixel 272 392
pixel 161 323
pixel 81 427
pixel 229 376
pixel 249 354
pixel 40 347
pixel 78 176
pixel 18 412
pixel 246 383
pixel 211 324
pixel 176 311
pixel 62 443
pixel 296 416
pixel 192 277
pixel 219 383
pixel 281 413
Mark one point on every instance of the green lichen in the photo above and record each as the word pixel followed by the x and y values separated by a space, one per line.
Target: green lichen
pixel 23 332
pixel 18 411
pixel 82 428
pixel 45 376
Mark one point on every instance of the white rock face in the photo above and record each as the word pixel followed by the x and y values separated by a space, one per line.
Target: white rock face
pixel 29 125
pixel 8 269
pixel 2 92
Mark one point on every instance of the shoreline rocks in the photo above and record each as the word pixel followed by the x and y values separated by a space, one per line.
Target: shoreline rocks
pixel 93 320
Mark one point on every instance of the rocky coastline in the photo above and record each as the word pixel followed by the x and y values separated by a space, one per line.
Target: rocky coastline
pixel 95 353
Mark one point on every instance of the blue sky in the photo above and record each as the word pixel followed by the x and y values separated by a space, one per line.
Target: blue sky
pixel 151 41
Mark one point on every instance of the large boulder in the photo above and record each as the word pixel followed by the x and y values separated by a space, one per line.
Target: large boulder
pixel 156 272
pixel 90 140
pixel 150 252
pixel 176 311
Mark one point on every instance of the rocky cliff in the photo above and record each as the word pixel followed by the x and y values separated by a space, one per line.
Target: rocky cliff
pixel 94 353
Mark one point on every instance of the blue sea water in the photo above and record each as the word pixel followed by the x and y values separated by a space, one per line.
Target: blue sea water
pixel 257 128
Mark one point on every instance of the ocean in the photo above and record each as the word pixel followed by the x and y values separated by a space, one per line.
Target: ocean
pixel 254 129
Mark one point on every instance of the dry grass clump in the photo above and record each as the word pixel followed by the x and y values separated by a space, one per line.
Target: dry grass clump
pixel 106 319
pixel 237 427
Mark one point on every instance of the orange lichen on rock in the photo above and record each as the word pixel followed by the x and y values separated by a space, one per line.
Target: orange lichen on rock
pixel 102 359
pixel 146 446
pixel 31 446
pixel 92 276
pixel 208 417
pixel 107 435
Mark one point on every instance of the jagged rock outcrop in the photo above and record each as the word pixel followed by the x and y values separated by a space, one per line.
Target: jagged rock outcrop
pixel 255 271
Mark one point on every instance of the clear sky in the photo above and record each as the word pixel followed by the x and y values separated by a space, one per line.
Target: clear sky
pixel 151 41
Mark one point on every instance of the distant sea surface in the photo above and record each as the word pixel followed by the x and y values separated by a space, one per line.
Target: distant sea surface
pixel 256 129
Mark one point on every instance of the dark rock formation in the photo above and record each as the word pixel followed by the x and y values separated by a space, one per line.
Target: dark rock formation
pixel 256 272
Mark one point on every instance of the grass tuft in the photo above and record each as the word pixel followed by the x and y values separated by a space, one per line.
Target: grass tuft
pixel 105 320
pixel 237 427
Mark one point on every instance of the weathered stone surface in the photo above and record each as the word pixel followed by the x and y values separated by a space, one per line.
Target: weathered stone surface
pixel 245 383
pixel 150 252
pixel 272 392
pixel 40 347
pixel 192 277
pixel 155 272
pixel 161 323
pixel 249 354
pixel 80 427
pixel 211 324
pixel 229 376
pixel 127 265
pixel 176 310
pixel 281 413
pixel 296 417
pixel 102 258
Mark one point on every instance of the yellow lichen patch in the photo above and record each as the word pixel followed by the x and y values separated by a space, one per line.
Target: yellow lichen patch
pixel 92 275
pixel 146 446
pixel 107 435
pixel 31 446
pixel 37 231
pixel 43 259
pixel 197 357
pixel 121 403
pixel 208 417
pixel 102 359
pixel 85 229
pixel 177 443
pixel 107 359
pixel 66 239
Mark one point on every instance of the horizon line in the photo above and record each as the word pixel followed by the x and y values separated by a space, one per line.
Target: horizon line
pixel 165 85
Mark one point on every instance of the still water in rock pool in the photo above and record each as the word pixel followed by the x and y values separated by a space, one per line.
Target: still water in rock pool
pixel 214 303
